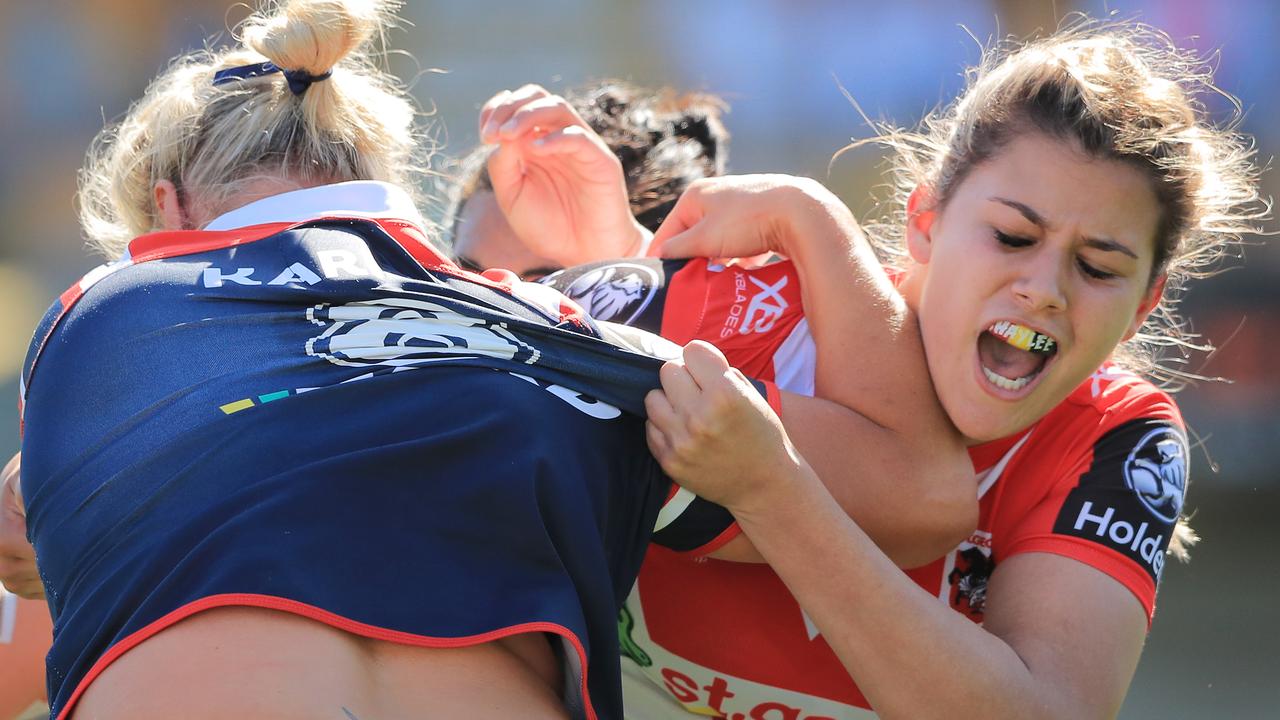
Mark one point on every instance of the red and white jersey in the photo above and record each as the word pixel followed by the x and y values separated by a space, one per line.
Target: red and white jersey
pixel 1099 479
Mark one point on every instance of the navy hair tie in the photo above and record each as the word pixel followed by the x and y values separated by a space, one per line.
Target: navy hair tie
pixel 299 80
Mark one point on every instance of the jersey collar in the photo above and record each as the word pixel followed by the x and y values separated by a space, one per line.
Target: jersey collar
pixel 357 198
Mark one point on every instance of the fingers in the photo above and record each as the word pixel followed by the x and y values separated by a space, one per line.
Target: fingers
pixel 681 389
pixel 539 116
pixel 500 107
pixel 11 485
pixel 21 579
pixel 705 364
pixel 580 144
pixel 510 114
pixel 686 214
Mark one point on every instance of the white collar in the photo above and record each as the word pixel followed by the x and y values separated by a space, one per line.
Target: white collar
pixel 357 198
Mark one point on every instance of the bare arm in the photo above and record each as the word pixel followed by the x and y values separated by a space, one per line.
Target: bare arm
pixel 1061 639
pixel 885 449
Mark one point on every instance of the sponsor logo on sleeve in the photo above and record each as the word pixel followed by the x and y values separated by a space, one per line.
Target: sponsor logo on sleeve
pixel 757 305
pixel 618 292
pixel 1130 497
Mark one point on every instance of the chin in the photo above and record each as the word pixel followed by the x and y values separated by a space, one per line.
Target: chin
pixel 979 423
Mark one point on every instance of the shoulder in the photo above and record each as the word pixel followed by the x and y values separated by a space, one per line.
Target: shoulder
pixel 1102 479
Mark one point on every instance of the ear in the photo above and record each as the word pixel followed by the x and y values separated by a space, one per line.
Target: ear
pixel 168 207
pixel 921 213
pixel 1149 303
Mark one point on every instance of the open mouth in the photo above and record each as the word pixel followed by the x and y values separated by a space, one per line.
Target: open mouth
pixel 1012 355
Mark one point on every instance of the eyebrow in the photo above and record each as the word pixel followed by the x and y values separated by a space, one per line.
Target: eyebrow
pixel 1099 243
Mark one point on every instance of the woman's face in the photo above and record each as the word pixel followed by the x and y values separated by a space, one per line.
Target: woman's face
pixel 1028 278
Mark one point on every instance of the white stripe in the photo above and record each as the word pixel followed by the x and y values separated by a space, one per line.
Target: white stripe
pixel 674 508
pixel 355 198
pixel 8 616
pixel 795 361
pixel 989 477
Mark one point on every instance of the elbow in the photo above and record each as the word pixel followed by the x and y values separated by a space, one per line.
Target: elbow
pixel 945 516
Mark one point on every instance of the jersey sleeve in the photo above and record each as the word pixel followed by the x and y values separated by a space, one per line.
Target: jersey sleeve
pixel 1118 501
pixel 753 315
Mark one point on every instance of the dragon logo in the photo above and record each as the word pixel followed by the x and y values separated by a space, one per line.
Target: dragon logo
pixel 969 581
pixel 618 292
pixel 1156 471
pixel 391 334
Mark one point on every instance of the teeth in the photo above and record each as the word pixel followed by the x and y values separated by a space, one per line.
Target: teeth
pixel 1004 382
pixel 1022 337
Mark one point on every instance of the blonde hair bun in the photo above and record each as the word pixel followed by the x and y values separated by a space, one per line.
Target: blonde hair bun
pixel 315 35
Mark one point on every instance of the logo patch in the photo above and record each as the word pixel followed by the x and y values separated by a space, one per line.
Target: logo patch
pixel 1156 471
pixel 618 292
pixel 1130 497
pixel 401 333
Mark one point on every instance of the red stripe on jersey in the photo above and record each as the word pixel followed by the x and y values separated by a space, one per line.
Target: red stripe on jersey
pixel 173 243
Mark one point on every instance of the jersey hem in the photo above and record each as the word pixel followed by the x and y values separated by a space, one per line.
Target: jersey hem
pixel 311 612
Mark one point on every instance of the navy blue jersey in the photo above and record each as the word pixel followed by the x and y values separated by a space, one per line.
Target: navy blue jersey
pixel 269 416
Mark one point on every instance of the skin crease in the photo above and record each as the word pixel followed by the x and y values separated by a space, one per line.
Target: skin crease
pixel 1041 285
pixel 1060 639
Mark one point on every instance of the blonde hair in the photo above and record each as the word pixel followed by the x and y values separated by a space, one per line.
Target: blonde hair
pixel 358 124
pixel 1117 90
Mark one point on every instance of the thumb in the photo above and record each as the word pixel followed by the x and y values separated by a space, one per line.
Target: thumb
pixel 11 483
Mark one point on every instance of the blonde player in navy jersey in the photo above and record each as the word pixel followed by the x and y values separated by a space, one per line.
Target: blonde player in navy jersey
pixel 290 283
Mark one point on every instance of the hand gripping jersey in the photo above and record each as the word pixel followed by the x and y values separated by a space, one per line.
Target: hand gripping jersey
pixel 24 640
pixel 1099 479
pixel 269 415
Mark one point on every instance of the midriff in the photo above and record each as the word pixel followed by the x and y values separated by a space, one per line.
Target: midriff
pixel 239 662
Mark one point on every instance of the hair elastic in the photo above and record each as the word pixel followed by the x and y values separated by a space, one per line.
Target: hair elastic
pixel 299 80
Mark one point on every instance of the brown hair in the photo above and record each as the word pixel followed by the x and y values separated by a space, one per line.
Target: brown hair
pixel 1117 90
pixel 665 141
pixel 359 124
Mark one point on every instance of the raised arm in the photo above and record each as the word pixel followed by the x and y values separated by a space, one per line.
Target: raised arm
pixel 557 183
pixel 886 450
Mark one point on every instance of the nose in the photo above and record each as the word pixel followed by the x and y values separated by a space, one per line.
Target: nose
pixel 1041 283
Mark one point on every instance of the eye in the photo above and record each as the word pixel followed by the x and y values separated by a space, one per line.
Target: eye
pixel 1013 241
pixel 468 264
pixel 1094 272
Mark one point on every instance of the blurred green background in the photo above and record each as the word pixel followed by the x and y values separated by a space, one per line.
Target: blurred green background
pixel 70 65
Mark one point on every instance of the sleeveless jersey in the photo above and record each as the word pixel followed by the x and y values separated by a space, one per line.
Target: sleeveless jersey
pixel 1099 479
pixel 265 416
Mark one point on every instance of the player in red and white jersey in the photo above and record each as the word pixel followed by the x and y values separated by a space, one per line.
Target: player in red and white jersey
pixel 706 633
pixel 1045 215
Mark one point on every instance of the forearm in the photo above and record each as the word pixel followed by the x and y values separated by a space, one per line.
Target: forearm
pixel 909 653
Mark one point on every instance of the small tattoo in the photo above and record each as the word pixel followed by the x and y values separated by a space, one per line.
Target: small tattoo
pixel 350 715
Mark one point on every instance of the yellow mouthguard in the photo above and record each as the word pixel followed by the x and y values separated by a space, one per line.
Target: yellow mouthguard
pixel 1023 338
